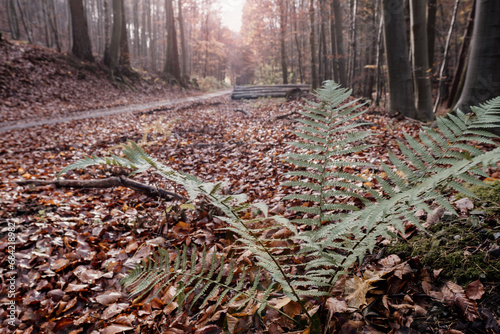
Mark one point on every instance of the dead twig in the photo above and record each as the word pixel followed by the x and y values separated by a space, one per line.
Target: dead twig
pixel 110 182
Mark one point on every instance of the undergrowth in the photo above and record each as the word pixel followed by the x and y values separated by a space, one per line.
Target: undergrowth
pixel 301 260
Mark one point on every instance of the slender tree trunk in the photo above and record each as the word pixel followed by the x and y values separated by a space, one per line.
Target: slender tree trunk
pixel 107 35
pixel 26 24
pixel 13 20
pixel 297 43
pixel 81 40
pixel 185 75
pixel 312 41
pixel 482 80
pixel 458 76
pixel 444 64
pixel 420 57
pixel 172 68
pixel 379 61
pixel 352 59
pixel 337 12
pixel 137 41
pixel 431 30
pixel 402 102
pixel 283 23
pixel 333 45
pixel 52 18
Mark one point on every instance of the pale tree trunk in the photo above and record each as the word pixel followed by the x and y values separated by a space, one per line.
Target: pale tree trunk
pixel 312 41
pixel 26 23
pixel 482 81
pixel 172 68
pixel 137 42
pixel 297 43
pixel 81 40
pixel 333 44
pixel 402 102
pixel 15 33
pixel 337 12
pixel 51 10
pixel 420 58
pixel 185 74
pixel 284 69
pixel 444 64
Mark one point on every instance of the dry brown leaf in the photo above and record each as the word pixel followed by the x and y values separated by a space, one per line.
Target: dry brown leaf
pixel 434 217
pixel 475 290
pixel 108 298
pixel 113 310
pixel 453 294
pixel 115 328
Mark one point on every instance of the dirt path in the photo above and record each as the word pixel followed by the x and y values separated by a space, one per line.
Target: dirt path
pixel 27 123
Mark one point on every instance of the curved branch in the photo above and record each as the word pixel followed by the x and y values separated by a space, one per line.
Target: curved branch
pixel 110 182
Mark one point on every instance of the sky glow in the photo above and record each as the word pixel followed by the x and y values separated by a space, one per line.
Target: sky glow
pixel 231 13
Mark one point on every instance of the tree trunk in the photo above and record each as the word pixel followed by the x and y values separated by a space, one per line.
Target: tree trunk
pixel 458 76
pixel 114 45
pixel 420 59
pixel 333 42
pixel 352 59
pixel 312 41
pixel 26 23
pixel 172 68
pixel 15 33
pixel 124 60
pixel 81 40
pixel 185 75
pixel 431 30
pixel 402 102
pixel 482 80
pixel 51 11
pixel 284 69
pixel 444 64
pixel 297 43
pixel 337 12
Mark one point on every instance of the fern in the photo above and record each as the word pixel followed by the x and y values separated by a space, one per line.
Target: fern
pixel 332 235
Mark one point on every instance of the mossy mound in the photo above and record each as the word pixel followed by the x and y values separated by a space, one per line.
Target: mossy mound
pixel 462 246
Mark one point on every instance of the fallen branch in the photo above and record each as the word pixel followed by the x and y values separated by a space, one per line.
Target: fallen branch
pixel 110 182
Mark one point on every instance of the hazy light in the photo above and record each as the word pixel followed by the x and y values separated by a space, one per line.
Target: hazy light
pixel 231 13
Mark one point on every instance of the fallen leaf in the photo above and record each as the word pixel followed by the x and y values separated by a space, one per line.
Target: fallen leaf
pixel 475 290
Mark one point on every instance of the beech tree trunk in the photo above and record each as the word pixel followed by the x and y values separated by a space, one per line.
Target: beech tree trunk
pixel 431 30
pixel 402 102
pixel 337 12
pixel 482 81
pixel 13 20
pixel 114 45
pixel 284 69
pixel 458 76
pixel 185 75
pixel 81 40
pixel 420 57
pixel 172 68
pixel 312 41
pixel 124 47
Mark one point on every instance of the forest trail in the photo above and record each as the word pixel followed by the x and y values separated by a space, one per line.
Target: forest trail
pixel 138 107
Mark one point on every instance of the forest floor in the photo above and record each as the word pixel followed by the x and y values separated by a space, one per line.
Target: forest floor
pixel 72 246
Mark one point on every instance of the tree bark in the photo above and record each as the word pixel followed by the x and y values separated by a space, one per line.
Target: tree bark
pixel 124 60
pixel 482 80
pixel 444 64
pixel 337 12
pixel 402 102
pixel 458 76
pixel 420 56
pixel 431 30
pixel 13 20
pixel 110 182
pixel 283 23
pixel 114 45
pixel 312 41
pixel 184 58
pixel 81 40
pixel 172 68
